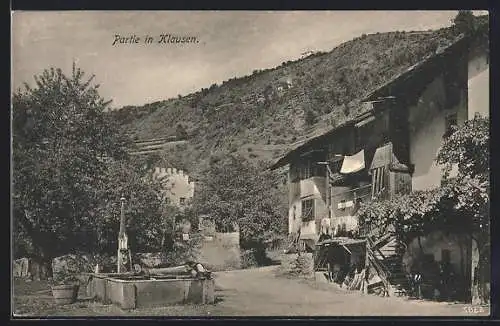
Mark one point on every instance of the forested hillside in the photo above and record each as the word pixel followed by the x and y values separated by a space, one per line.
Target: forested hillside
pixel 263 114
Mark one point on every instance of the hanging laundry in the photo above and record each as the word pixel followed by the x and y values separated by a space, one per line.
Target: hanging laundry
pixel 354 163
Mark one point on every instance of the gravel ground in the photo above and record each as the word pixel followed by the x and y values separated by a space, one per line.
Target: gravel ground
pixel 250 292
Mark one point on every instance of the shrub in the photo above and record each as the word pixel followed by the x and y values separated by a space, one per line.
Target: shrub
pixel 310 117
pixel 297 265
pixel 248 259
pixel 182 251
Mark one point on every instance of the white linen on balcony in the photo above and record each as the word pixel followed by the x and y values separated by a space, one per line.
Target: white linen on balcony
pixel 353 163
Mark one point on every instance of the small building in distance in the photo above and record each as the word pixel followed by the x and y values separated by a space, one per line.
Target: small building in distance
pixel 178 187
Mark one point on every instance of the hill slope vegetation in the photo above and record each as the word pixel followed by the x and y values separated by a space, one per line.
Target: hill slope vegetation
pixel 259 116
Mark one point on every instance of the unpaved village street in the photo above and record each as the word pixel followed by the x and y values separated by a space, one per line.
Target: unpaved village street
pixel 251 292
pixel 258 292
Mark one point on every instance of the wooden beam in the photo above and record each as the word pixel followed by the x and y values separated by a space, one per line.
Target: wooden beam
pixel 311 152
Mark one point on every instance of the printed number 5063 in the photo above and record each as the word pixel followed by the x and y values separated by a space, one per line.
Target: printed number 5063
pixel 473 309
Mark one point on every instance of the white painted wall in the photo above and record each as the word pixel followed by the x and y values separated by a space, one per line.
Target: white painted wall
pixel 427 127
pixel 433 243
pixel 311 188
pixel 426 130
pixel 427 120
pixel 308 230
pixel 479 86
pixel 294 214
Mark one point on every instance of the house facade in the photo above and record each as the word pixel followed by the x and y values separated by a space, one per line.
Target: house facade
pixel 391 148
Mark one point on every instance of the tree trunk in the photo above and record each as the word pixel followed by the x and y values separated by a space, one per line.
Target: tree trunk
pixel 42 243
pixel 419 240
pixel 481 281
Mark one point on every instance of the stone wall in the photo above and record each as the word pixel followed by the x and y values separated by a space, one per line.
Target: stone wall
pixel 28 268
pixel 221 251
pixel 79 263
pixel 433 244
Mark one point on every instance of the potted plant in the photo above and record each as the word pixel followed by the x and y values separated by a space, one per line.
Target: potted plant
pixel 65 289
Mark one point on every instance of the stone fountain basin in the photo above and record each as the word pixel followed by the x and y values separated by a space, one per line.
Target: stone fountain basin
pixel 132 291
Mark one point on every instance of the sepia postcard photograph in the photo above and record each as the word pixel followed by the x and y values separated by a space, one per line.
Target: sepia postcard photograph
pixel 250 163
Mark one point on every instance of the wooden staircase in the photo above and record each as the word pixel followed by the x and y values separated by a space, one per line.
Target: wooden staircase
pixel 293 243
pixel 385 253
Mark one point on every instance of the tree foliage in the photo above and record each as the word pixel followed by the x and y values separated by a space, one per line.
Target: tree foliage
pixel 468 148
pixel 180 132
pixel 70 168
pixel 461 204
pixel 465 22
pixel 310 117
pixel 237 194
pixel 145 208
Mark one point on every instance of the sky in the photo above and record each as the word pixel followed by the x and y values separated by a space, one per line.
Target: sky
pixel 229 44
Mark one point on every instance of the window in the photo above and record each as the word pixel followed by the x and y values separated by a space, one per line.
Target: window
pixel 182 200
pixel 309 169
pixel 308 210
pixel 378 181
pixel 450 122
pixel 305 171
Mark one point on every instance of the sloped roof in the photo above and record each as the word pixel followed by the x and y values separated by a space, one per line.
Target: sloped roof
pixel 283 160
pixel 416 68
pixel 375 94
pixel 341 241
pixel 298 146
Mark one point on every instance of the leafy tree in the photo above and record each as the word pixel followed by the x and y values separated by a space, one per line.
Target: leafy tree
pixel 145 208
pixel 238 195
pixel 70 169
pixel 465 22
pixel 310 117
pixel 180 132
pixel 468 147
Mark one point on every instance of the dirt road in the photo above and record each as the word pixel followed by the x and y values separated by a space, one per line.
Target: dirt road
pixel 259 292
pixel 251 292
